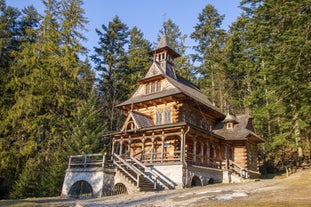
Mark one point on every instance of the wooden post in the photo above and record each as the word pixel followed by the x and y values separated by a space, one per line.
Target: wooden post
pixel 182 147
pixel 227 156
pixel 162 154
pixel 202 151
pixel 152 150
pixel 194 150
pixel 142 149
pixel 220 156
pixel 208 153
pixel 215 156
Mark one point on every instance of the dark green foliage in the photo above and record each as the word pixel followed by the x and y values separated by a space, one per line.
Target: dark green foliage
pixel 48 82
pixel 49 109
pixel 88 128
pixel 139 59
pixel 111 62
pixel 210 40
pixel 275 41
pixel 183 66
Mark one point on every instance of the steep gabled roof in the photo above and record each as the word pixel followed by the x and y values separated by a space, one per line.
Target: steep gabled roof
pixel 154 70
pixel 240 131
pixel 140 120
pixel 179 87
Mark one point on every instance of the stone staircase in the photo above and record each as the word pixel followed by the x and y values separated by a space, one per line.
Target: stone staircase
pixel 139 175
pixel 144 184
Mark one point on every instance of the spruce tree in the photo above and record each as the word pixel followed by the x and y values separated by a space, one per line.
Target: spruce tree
pixel 49 83
pixel 111 63
pixel 210 40
pixel 138 58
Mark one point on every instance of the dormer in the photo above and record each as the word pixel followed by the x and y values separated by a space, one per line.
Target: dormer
pixel 230 121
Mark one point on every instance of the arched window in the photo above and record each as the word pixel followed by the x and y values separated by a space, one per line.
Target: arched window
pixel 167 116
pixel 158 117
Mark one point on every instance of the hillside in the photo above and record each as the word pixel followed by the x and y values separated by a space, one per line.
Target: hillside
pixel 279 191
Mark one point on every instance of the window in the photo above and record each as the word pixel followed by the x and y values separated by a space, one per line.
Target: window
pixel 158 117
pixel 147 88
pixel 167 116
pixel 229 125
pixel 159 86
pixel 153 87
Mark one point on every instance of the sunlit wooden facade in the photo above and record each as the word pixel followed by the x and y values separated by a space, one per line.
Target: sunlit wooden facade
pixel 169 120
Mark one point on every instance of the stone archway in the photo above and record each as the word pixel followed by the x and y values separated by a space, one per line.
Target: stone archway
pixel 196 181
pixel 119 188
pixel 81 189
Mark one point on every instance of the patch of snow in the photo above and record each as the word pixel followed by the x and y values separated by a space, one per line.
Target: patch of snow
pixel 208 191
pixel 230 196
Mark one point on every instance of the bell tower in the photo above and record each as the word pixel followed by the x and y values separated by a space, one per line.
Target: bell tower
pixel 165 55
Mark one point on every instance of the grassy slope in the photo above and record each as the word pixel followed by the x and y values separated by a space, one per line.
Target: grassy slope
pixel 279 191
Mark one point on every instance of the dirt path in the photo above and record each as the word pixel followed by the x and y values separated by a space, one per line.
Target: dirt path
pixel 294 190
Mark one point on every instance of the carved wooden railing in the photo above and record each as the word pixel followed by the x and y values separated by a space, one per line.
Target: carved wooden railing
pixel 86 161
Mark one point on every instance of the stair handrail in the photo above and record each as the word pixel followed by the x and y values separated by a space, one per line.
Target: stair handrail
pixel 243 172
pixel 153 173
pixel 146 169
pixel 134 169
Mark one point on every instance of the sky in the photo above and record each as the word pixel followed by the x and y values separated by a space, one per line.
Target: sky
pixel 146 15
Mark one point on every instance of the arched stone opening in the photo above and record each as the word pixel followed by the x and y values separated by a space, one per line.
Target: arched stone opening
pixel 211 181
pixel 81 189
pixel 196 181
pixel 119 188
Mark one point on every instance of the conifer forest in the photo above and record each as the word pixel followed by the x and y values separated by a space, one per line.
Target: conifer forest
pixel 57 100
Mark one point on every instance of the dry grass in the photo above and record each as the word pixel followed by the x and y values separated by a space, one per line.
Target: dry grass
pixel 280 191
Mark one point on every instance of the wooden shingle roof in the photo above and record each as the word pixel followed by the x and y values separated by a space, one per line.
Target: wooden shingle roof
pixel 240 131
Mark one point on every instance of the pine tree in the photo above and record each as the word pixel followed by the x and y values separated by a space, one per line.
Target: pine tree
pixel 138 58
pixel 88 129
pixel 278 45
pixel 49 82
pixel 211 38
pixel 111 62
pixel 22 30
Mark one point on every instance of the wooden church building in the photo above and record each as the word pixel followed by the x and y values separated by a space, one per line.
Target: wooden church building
pixel 173 137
